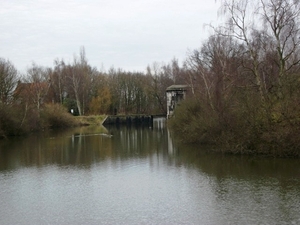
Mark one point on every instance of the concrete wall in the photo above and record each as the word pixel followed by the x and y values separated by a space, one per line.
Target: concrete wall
pixel 129 119
pixel 173 98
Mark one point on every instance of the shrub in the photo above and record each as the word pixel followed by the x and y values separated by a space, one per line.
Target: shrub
pixel 245 127
pixel 10 122
pixel 194 121
pixel 56 116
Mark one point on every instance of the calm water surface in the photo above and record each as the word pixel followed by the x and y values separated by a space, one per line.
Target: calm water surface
pixel 140 176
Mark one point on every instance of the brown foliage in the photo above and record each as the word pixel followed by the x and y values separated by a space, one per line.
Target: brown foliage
pixel 56 116
pixel 101 103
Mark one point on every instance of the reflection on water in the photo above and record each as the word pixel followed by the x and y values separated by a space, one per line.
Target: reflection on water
pixel 80 146
pixel 140 175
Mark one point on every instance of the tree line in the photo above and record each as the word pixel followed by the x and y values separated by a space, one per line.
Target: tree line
pixel 38 98
pixel 88 91
pixel 243 81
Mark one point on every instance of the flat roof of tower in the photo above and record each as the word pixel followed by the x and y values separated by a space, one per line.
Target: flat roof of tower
pixel 177 87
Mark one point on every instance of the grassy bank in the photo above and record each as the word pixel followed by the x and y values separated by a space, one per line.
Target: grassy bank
pixel 21 119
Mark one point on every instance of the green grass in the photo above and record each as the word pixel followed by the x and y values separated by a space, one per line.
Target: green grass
pixel 90 120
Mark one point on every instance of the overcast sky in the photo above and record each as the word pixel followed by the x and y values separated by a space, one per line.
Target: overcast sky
pixel 127 34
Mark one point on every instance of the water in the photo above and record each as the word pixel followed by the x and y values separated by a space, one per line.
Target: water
pixel 140 176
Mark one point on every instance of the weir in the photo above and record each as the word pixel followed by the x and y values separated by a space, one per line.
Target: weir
pixel 130 119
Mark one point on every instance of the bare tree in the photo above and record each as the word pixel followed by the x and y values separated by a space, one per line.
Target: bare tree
pixel 199 77
pixel 265 26
pixel 174 71
pixel 36 85
pixel 79 78
pixel 222 56
pixel 58 80
pixel 75 81
pixel 241 26
pixel 281 19
pixel 159 83
pixel 8 80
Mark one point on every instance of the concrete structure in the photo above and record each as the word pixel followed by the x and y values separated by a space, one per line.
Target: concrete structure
pixel 129 120
pixel 175 94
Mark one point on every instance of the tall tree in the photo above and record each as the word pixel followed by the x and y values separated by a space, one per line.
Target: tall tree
pixel 100 104
pixel 222 57
pixel 200 79
pixel 58 80
pixel 37 85
pixel 158 85
pixel 240 24
pixel 79 78
pixel 8 80
pixel 281 19
pixel 264 27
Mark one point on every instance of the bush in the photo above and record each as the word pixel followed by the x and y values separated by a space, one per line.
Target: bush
pixel 194 121
pixel 20 119
pixel 245 126
pixel 10 121
pixel 56 116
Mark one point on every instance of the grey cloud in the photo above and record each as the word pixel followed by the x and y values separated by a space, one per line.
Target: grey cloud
pixel 126 33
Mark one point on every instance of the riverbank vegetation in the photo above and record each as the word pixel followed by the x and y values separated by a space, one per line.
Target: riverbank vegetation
pixel 16 120
pixel 244 85
pixel 50 97
pixel 246 80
